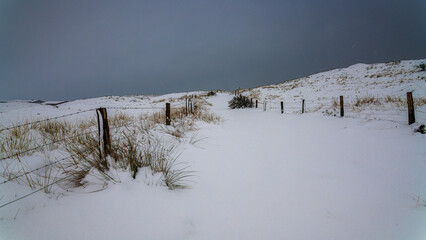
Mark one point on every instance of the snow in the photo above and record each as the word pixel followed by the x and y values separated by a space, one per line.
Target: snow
pixel 259 175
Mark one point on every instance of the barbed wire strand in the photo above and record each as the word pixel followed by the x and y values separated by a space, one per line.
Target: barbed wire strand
pixel 134 108
pixel 38 190
pixel 53 142
pixel 45 120
pixel 47 144
pixel 46 165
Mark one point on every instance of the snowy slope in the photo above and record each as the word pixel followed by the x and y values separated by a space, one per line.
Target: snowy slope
pixel 259 175
pixel 384 79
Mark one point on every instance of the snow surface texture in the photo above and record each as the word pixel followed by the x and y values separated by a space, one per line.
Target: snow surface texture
pixel 260 175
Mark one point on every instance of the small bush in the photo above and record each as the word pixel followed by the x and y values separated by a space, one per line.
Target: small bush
pixel 211 93
pixel 422 67
pixel 240 101
pixel 421 129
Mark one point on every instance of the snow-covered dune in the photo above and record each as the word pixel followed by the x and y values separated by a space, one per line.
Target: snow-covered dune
pixel 381 80
pixel 255 175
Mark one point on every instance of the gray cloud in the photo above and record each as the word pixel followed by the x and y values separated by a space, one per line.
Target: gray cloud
pixel 74 49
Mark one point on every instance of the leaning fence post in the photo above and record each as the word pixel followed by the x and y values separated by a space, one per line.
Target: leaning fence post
pixel 342 110
pixel 303 105
pixel 167 113
pixel 410 103
pixel 256 103
pixel 106 137
pixel 282 107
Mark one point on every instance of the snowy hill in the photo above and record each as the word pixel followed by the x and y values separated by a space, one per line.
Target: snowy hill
pixel 252 174
pixel 381 80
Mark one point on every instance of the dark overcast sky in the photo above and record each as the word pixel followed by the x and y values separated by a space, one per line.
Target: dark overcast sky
pixel 64 50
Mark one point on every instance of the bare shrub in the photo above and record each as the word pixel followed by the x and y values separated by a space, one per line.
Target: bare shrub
pixel 421 129
pixel 240 101
pixel 211 93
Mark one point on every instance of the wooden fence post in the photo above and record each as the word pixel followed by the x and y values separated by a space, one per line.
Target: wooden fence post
pixel 282 107
pixel 264 106
pixel 192 107
pixel 186 106
pixel 410 103
pixel 303 105
pixel 106 137
pixel 342 110
pixel 256 103
pixel 167 113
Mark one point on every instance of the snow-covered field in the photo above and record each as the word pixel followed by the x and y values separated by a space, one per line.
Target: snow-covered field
pixel 258 175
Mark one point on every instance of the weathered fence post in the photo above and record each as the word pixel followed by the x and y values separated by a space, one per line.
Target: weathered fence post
pixel 410 103
pixel 282 107
pixel 264 106
pixel 256 103
pixel 186 106
pixel 303 105
pixel 106 137
pixel 167 113
pixel 342 110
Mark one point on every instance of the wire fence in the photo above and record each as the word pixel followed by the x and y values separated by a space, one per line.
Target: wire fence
pixel 47 144
pixel 354 107
pixel 39 168
pixel 61 140
pixel 80 112
pixel 45 120
pixel 38 190
pixel 293 106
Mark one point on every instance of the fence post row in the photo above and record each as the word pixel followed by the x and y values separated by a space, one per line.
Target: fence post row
pixel 106 137
pixel 410 103
pixel 303 105
pixel 342 110
pixel 282 107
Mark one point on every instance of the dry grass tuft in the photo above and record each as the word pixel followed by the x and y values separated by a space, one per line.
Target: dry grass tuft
pixel 54 130
pixel 16 140
pixel 419 101
pixel 120 119
pixel 137 142
pixel 366 100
